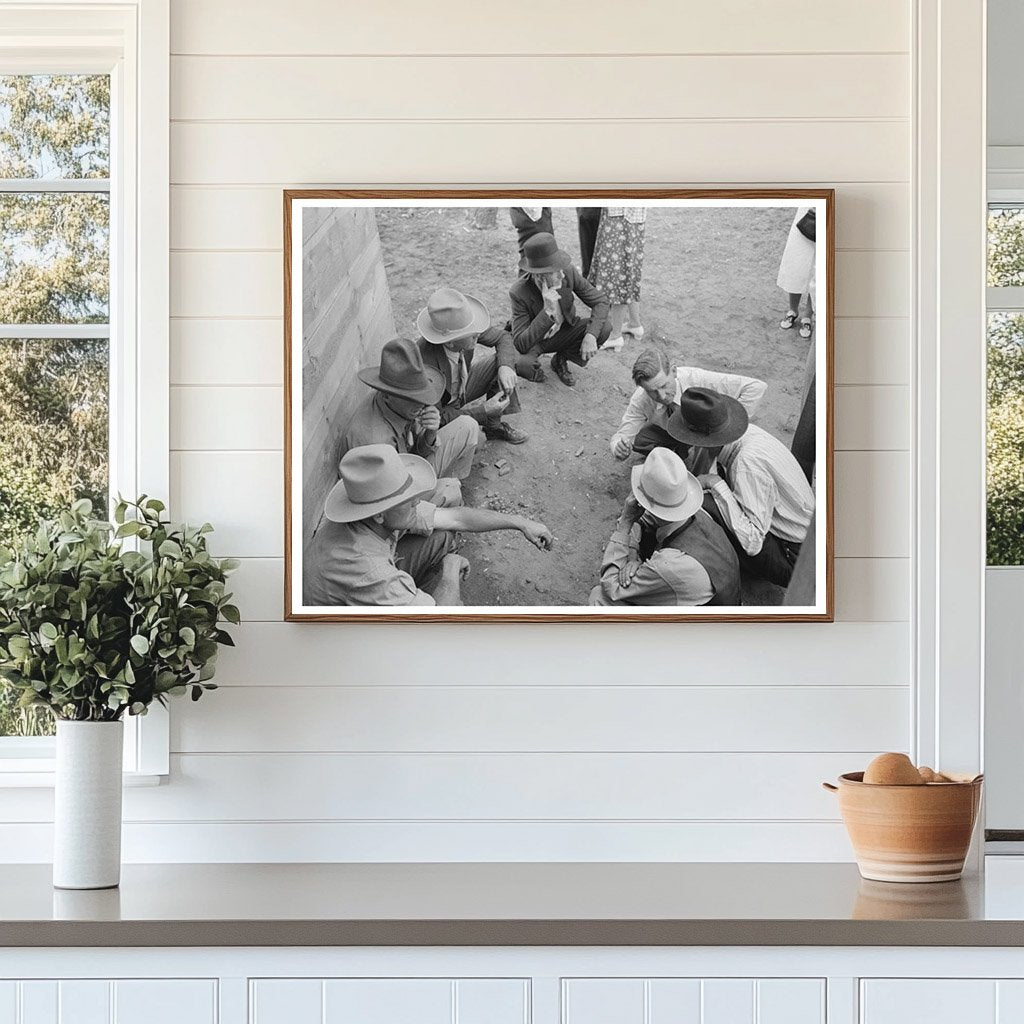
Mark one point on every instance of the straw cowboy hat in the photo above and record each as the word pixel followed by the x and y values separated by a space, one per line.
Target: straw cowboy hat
pixel 666 488
pixel 541 255
pixel 449 315
pixel 401 372
pixel 375 478
pixel 707 419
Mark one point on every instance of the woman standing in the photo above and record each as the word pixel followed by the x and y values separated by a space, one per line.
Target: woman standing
pixel 796 272
pixel 617 268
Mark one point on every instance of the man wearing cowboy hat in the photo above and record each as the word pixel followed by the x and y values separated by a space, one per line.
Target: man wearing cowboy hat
pixel 383 544
pixel 544 308
pixel 666 550
pixel 402 411
pixel 476 361
pixel 658 389
pixel 759 493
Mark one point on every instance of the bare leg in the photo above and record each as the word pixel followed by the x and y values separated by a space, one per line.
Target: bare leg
pixel 633 315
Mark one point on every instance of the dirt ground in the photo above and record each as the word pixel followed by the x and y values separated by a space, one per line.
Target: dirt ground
pixel 708 298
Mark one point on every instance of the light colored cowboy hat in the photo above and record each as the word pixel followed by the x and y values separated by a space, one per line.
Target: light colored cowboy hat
pixel 665 487
pixel 374 478
pixel 401 372
pixel 541 255
pixel 449 315
pixel 707 419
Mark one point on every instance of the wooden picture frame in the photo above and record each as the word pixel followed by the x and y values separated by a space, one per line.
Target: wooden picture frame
pixel 338 251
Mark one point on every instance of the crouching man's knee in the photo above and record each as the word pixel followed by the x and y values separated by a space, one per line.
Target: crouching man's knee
pixel 447 493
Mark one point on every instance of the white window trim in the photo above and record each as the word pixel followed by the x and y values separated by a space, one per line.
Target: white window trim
pixel 949 445
pixel 129 40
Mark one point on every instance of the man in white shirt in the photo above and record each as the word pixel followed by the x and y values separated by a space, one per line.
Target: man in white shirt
pixel 658 390
pixel 755 488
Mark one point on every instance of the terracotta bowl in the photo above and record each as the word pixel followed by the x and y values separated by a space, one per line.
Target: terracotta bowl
pixel 909 833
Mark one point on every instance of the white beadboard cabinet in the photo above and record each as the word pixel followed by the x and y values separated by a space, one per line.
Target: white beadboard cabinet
pixel 513 985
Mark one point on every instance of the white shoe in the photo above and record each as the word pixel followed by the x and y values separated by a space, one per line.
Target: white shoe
pixel 637 332
pixel 614 344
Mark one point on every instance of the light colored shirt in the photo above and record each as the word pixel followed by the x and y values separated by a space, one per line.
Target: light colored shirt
pixel 763 491
pixel 668 577
pixel 354 564
pixel 642 409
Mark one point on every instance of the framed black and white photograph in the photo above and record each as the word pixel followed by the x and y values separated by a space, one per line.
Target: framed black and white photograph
pixel 599 405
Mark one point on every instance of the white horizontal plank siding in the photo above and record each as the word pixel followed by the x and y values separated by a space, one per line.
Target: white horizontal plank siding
pixel 872 589
pixel 333 88
pixel 868 216
pixel 217 418
pixel 928 999
pixel 634 741
pixel 506 786
pixel 867 589
pixel 872 350
pixel 455 26
pixel 226 842
pixel 872 496
pixel 239 492
pixel 555 718
pixel 223 352
pixel 728 152
pixel 845 654
pixel 872 418
pixel 790 1001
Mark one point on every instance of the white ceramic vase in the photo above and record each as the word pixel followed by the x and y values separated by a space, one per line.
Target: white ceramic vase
pixel 87 806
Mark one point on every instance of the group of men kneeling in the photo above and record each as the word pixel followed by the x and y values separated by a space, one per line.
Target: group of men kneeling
pixel 714 494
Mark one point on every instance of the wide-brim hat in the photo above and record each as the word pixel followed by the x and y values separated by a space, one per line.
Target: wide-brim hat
pixel 374 478
pixel 401 372
pixel 541 255
pixel 449 315
pixel 665 487
pixel 707 419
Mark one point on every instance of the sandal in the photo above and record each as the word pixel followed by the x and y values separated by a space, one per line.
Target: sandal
pixel 788 320
pixel 614 344
pixel 805 328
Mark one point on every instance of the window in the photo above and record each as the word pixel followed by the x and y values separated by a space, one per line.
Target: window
pixel 84 123
pixel 54 309
pixel 1005 478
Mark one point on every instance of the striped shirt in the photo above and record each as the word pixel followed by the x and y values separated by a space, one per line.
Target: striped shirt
pixel 643 409
pixel 763 491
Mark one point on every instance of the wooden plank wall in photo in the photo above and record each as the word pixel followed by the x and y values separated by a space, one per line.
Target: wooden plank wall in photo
pixel 346 320
pixel 534 742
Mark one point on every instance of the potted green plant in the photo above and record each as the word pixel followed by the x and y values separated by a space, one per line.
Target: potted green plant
pixel 99 620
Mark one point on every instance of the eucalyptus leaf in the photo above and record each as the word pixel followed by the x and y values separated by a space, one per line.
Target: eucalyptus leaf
pixel 93 631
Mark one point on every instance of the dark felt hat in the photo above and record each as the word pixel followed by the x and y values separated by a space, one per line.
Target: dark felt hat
pixel 707 419
pixel 401 372
pixel 541 255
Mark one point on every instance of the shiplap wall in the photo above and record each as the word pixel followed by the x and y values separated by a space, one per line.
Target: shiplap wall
pixel 688 741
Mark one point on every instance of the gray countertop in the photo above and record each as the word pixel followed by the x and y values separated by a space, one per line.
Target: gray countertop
pixel 518 904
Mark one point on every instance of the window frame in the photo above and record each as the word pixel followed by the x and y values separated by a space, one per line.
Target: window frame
pixel 130 41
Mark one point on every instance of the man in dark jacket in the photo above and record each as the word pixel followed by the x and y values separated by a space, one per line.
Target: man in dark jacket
pixel 544 308
pixel 475 360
